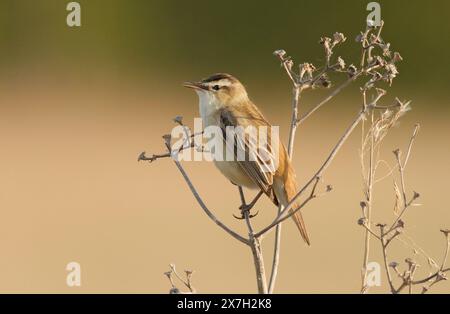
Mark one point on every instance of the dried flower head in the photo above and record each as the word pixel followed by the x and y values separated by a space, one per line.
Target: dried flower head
pixel 360 37
pixel 323 81
pixel 308 69
pixel 178 119
pixel 280 53
pixel 397 57
pixel 327 45
pixel 351 70
pixel 362 221
pixel 386 49
pixel 393 264
pixel 340 64
pixel 338 38
pixel 379 61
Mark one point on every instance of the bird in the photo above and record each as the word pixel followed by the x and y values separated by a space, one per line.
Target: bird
pixel 224 103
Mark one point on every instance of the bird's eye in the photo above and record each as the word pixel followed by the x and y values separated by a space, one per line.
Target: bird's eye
pixel 216 87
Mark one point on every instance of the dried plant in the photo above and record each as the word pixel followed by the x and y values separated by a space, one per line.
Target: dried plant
pixel 186 281
pixel 374 67
pixel 395 231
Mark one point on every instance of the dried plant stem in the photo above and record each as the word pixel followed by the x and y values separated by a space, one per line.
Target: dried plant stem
pixel 276 256
pixel 367 209
pixel 255 246
pixel 401 168
pixel 296 91
pixel 384 245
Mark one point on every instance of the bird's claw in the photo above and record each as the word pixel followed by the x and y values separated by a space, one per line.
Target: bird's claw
pixel 244 209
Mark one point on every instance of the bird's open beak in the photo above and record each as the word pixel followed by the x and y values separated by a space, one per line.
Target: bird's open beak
pixel 195 85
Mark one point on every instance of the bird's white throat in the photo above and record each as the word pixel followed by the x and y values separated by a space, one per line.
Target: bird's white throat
pixel 208 105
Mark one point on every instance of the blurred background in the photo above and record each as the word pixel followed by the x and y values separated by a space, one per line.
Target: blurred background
pixel 78 105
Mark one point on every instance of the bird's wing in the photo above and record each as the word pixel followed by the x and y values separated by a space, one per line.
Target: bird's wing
pixel 259 162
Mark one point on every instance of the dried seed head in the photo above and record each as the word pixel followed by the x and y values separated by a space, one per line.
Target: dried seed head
pixel 174 290
pixel 325 40
pixel 397 57
pixel 374 39
pixel 178 119
pixel 327 45
pixel 280 53
pixel 391 72
pixel 329 188
pixel 393 265
pixel 381 225
pixel 416 195
pixel 338 38
pixel 289 64
pixel 363 204
pixel 386 49
pixel 360 37
pixel 340 64
pixel 351 70
pixel 379 61
pixel 323 81
pixel 307 68
pixel 362 221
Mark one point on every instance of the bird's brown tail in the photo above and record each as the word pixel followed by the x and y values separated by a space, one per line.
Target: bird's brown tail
pixel 285 188
pixel 298 219
pixel 291 190
pixel 288 193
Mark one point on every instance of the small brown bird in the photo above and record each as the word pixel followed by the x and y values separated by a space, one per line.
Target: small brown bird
pixel 224 102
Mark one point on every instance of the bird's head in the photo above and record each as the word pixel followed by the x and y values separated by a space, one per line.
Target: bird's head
pixel 221 87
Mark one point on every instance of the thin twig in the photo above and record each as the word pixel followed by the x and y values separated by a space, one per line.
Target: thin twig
pixel 255 246
pixel 385 258
pixel 276 255
pixel 368 208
